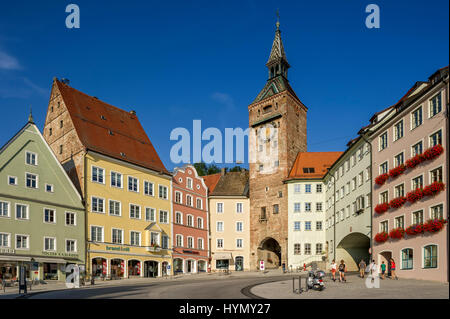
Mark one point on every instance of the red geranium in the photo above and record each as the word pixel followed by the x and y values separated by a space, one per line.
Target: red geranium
pixel 397 170
pixel 415 229
pixel 414 161
pixel 434 225
pixel 381 237
pixel 397 202
pixel 380 180
pixel 381 208
pixel 397 233
pixel 415 195
pixel 433 152
pixel 433 189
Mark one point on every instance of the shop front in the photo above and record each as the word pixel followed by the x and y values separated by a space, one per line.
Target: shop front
pixel 201 266
pixel 134 268
pixel 99 267
pixel 178 266
pixel 117 268
pixel 151 269
pixel 222 261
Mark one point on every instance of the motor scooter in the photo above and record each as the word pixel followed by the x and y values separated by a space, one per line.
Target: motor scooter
pixel 315 280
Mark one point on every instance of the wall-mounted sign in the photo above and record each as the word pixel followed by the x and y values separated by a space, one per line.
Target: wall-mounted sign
pixel 118 248
pixel 190 252
pixel 59 254
pixel 7 251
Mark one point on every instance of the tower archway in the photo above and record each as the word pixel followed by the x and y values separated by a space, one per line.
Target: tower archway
pixel 269 250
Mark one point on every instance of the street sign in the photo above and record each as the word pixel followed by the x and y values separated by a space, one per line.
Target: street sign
pixel 261 265
pixel 168 267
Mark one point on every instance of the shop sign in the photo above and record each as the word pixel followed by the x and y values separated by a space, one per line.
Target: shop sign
pixel 34 266
pixel 47 253
pixel 7 251
pixel 118 248
pixel 190 252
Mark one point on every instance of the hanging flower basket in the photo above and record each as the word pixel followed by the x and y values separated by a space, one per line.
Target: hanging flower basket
pixel 381 237
pixel 415 229
pixel 380 180
pixel 397 233
pixel 397 171
pixel 433 189
pixel 433 152
pixel 381 208
pixel 397 202
pixel 415 195
pixel 434 225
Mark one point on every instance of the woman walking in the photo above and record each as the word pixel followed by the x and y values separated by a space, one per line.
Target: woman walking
pixel 333 270
pixel 393 274
pixel 342 269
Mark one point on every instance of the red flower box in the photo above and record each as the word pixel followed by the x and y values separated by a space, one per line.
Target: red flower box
pixel 397 171
pixel 380 180
pixel 433 152
pixel 397 233
pixel 381 208
pixel 433 189
pixel 414 161
pixel 415 195
pixel 415 229
pixel 381 237
pixel 434 225
pixel 397 202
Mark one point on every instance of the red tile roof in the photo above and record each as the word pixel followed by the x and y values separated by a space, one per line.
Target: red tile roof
pixel 108 130
pixel 320 161
pixel 211 181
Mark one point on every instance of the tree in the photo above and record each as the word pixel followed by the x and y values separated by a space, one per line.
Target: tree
pixel 236 169
pixel 205 169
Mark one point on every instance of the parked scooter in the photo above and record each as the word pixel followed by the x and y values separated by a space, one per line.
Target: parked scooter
pixel 315 280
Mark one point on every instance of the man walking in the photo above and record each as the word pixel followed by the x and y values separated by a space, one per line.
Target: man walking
pixel 362 268
pixel 373 270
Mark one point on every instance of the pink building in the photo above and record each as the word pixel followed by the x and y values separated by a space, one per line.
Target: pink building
pixel 410 152
pixel 190 221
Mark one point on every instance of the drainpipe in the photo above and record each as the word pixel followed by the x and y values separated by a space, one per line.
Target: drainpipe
pixel 371 199
pixel 86 230
pixel 447 155
pixel 334 217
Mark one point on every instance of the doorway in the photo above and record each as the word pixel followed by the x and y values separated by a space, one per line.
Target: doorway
pixel 151 269
pixel 239 263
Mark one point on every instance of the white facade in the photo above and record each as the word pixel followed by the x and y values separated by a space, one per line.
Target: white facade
pixel 306 222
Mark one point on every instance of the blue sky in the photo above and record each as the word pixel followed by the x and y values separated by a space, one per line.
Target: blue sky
pixel 176 61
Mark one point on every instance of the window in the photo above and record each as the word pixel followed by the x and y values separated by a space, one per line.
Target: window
pixel 21 211
pixel 189 200
pixel 60 149
pixel 360 178
pixel 49 188
pixel 435 105
pixel 4 209
pixel 97 233
pixel 4 240
pixel 219 243
pixel 318 188
pixel 398 130
pixel 399 190
pixel 98 174
pixel 163 216
pixel 49 244
pixel 308 225
pixel 384 168
pixel 163 192
pixel 49 216
pixel 148 188
pixel 417 182
pixel 353 183
pixel 399 159
pixel 179 240
pixel 116 180
pixel 360 153
pixel 296 226
pixel 296 207
pixel 178 218
pixel 189 182
pixel 190 242
pixel 61 124
pixel 22 241
pixel 238 207
pixel 239 226
pixel 384 197
pixel 347 165
pixel 31 180
pixel 319 249
pixel 178 197
pixel 165 242
pixel 117 236
pixel 98 205
pixel 71 246
pixel 297 188
pixel 133 184
pixel 263 215
pixel 436 175
pixel 199 222
pixel 150 214
pixel 417 149
pixel 384 226
pixel 114 208
pixel 360 204
pixel 275 209
pixel 437 212
pixel 347 188
pixel 430 256
pixel 12 180
pixel 417 217
pixel 383 141
pixel 297 249
pixel 407 258
pixel 308 188
pixel 219 226
pixel 219 208
pixel 436 138
pixel 416 118
pixel 400 222
pixel 135 211
pixel 190 220
pixel 154 239
pixel 199 203
pixel 318 225
pixel 31 158
pixel 50 130
pixel 319 207
pixel 307 249
pixel 70 219
pixel 239 242
pixel 307 207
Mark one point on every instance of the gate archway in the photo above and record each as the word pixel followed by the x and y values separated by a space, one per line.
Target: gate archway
pixel 352 248
pixel 269 250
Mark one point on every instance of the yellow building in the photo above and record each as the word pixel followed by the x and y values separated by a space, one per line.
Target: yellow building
pixel 125 186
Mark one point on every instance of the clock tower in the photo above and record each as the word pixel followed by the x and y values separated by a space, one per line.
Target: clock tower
pixel 278 119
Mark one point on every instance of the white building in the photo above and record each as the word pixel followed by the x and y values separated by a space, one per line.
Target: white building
pixel 306 208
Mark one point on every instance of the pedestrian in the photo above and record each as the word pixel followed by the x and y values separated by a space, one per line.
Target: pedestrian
pixel 393 274
pixel 373 270
pixel 342 269
pixel 333 270
pixel 383 269
pixel 362 268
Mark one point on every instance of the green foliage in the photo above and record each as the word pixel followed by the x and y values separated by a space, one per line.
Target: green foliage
pixel 205 169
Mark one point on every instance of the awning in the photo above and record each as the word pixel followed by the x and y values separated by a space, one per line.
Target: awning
pixel 50 260
pixel 222 256
pixel 15 258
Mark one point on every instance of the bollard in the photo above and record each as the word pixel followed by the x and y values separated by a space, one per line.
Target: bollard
pixel 300 284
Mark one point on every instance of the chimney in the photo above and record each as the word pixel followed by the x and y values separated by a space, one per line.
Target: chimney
pixel 223 171
pixel 133 112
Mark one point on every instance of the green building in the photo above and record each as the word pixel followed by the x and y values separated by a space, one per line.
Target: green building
pixel 42 221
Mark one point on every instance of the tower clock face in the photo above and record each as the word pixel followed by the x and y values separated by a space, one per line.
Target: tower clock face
pixel 264 148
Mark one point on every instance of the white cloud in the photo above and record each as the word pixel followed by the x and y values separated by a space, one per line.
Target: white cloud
pixel 8 62
pixel 224 99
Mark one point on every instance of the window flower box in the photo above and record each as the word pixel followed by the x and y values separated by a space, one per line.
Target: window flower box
pixel 433 152
pixel 380 180
pixel 397 202
pixel 397 171
pixel 397 233
pixel 415 229
pixel 433 189
pixel 414 161
pixel 381 237
pixel 434 225
pixel 381 208
pixel 415 195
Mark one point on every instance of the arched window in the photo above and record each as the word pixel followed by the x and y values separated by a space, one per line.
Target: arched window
pixel 430 256
pixel 407 258
pixel 178 218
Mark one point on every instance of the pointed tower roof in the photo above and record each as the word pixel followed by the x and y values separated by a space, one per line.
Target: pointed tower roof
pixel 277 53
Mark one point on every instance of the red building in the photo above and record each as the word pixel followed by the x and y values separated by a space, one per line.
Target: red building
pixel 190 221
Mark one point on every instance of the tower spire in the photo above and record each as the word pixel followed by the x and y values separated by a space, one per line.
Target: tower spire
pixel 277 63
